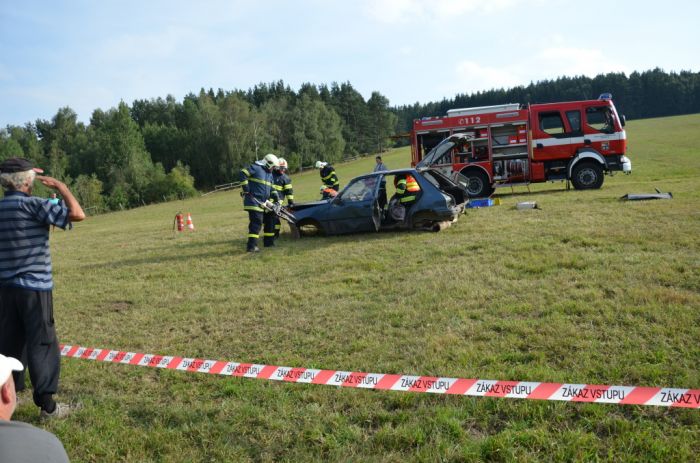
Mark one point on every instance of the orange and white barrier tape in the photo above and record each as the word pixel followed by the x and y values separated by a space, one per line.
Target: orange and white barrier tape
pixel 628 395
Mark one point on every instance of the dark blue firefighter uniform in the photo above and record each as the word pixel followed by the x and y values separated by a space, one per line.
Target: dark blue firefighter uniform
pixel 329 179
pixel 283 187
pixel 256 182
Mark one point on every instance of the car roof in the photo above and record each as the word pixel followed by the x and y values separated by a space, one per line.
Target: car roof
pixel 406 170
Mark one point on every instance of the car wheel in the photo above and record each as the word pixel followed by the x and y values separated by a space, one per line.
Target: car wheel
pixel 310 228
pixel 587 176
pixel 478 185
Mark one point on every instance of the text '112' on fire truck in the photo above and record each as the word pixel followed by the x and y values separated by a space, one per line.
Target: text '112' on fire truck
pixel 510 144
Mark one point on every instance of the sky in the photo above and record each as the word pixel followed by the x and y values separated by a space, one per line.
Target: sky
pixel 94 54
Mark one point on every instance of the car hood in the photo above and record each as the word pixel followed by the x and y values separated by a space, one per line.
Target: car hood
pixel 302 206
pixel 441 148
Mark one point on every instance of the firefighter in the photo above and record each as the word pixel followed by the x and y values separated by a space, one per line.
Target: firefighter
pixel 328 177
pixel 257 186
pixel 407 191
pixel 283 186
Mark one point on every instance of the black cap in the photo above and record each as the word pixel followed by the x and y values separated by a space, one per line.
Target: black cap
pixel 12 165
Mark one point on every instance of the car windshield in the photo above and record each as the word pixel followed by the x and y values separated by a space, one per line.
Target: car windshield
pixel 362 189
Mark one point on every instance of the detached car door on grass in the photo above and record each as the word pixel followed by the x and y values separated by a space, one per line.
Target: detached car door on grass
pixel 356 208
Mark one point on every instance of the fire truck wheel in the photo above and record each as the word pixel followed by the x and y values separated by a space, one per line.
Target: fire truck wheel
pixel 587 176
pixel 478 186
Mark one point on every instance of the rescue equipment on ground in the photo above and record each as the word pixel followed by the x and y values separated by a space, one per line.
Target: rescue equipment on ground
pixel 526 205
pixel 483 202
pixel 646 196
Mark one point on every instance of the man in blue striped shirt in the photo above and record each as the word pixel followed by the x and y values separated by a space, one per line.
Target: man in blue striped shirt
pixel 26 301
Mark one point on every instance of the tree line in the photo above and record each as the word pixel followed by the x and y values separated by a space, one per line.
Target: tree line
pixel 652 93
pixel 161 149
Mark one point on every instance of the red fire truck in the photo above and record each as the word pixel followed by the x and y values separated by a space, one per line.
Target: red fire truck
pixel 508 145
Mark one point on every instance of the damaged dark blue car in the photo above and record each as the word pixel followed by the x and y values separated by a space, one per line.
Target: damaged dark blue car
pixel 362 206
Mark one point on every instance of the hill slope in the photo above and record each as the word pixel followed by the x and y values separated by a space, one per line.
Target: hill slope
pixel 586 290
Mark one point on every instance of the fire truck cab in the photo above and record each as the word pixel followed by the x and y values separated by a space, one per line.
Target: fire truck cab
pixel 508 145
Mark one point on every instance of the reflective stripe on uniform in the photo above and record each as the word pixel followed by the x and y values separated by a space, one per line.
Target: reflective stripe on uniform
pixel 412 186
pixel 253 235
pixel 268 234
pixel 245 171
pixel 264 182
pixel 288 186
pixel 328 176
pixel 407 199
pixel 253 208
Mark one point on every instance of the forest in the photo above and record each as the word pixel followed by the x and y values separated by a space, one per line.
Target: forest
pixel 161 149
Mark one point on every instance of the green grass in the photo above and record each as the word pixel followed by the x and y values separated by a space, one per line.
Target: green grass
pixel 588 289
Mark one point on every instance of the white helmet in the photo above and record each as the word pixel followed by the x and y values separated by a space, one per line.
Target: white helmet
pixel 271 161
pixel 282 163
pixel 320 164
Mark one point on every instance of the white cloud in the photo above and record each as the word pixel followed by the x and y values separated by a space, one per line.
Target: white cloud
pixel 471 76
pixel 546 63
pixel 572 61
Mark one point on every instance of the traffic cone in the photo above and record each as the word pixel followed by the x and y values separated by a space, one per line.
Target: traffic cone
pixel 190 225
pixel 178 223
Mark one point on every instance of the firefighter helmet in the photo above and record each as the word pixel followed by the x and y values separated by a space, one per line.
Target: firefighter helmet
pixel 271 161
pixel 320 164
pixel 282 163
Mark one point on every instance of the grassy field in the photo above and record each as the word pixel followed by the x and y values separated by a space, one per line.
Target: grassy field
pixel 588 289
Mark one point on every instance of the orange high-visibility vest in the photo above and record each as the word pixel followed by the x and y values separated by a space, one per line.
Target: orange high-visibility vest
pixel 412 184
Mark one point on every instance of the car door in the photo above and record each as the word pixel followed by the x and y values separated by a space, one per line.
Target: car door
pixel 354 209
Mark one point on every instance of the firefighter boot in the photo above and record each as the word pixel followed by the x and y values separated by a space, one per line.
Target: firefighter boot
pixel 269 241
pixel 252 245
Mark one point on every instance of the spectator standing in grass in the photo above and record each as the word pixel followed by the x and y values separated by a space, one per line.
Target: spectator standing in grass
pixel 22 442
pixel 26 283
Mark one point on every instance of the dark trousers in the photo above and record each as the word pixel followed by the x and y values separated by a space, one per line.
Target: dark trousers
pixel 382 196
pixel 269 229
pixel 27 332
pixel 255 221
pixel 278 227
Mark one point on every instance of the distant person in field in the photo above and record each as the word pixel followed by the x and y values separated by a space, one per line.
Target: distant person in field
pixel 26 284
pixel 381 167
pixel 22 442
pixel 329 179
pixel 53 199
